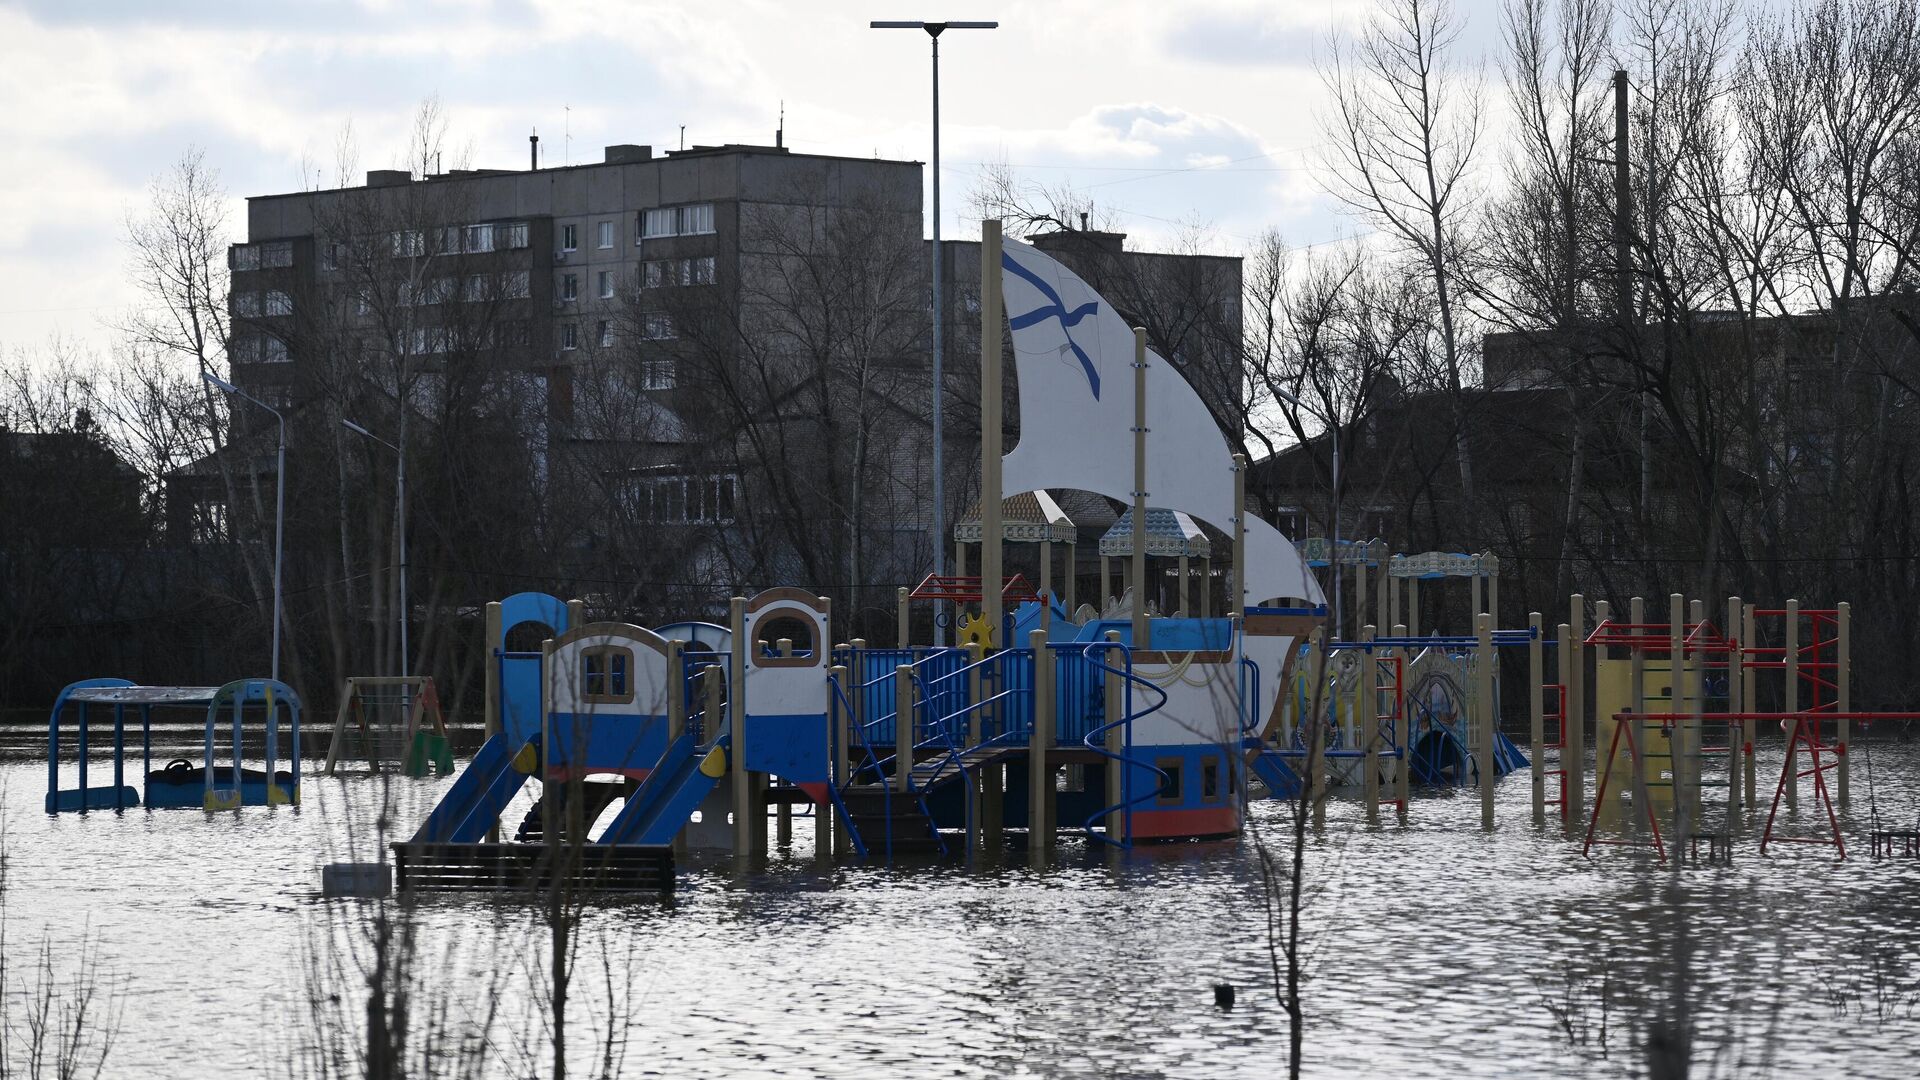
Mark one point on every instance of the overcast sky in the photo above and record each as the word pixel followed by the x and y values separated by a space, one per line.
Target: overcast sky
pixel 1165 112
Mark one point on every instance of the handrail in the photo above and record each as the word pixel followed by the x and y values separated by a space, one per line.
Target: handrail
pixel 1250 695
pixel 876 763
pixel 1127 717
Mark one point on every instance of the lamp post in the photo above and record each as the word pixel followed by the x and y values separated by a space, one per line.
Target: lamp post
pixel 934 30
pixel 400 510
pixel 1333 432
pixel 279 503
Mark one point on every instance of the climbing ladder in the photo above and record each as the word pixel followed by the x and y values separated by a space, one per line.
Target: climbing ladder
pixel 1623 726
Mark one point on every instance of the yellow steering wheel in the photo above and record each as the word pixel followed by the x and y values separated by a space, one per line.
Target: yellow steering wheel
pixel 976 630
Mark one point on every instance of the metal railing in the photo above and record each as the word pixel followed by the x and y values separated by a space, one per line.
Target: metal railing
pixel 1095 741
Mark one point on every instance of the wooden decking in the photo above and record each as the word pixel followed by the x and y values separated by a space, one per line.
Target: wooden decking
pixel 588 869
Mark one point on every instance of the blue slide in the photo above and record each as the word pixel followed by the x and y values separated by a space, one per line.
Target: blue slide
pixel 1272 768
pixel 667 798
pixel 474 803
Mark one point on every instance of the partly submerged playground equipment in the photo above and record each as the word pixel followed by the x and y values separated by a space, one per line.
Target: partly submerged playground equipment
pixel 391 719
pixel 229 711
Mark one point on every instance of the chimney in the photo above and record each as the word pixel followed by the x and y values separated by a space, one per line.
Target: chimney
pixel 1083 221
pixel 533 149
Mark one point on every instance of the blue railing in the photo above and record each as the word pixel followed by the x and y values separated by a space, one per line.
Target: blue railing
pixel 1096 741
pixel 693 693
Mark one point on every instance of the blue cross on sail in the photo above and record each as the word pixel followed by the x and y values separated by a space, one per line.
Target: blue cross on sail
pixel 1073 355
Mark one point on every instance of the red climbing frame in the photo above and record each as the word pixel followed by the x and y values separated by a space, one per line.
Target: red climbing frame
pixel 966 588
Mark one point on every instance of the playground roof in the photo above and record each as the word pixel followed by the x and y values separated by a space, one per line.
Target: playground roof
pixel 145 695
pixel 1029 517
pixel 1170 533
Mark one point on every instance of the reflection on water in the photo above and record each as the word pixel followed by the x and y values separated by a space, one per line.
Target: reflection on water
pixel 1438 951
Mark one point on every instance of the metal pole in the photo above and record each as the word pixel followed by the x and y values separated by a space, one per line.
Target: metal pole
pixel 992 531
pixel 1139 560
pixel 400 452
pixel 1334 432
pixel 939 334
pixel 279 537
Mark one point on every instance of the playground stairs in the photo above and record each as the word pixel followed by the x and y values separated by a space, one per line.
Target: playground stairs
pixel 596 796
pixel 882 814
pixel 945 767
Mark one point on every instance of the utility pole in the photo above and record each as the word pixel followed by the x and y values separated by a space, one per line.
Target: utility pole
pixel 1623 283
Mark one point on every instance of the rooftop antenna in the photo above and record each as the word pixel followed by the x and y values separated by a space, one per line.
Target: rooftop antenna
pixel 533 148
pixel 566 133
pixel 780 133
pixel 683 136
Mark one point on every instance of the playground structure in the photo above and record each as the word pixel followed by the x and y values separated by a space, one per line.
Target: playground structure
pixel 211 785
pixel 393 718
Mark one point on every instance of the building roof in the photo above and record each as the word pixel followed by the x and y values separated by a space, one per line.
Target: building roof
pixel 1170 534
pixel 1029 517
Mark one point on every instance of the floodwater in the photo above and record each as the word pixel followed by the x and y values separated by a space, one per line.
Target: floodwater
pixel 1437 950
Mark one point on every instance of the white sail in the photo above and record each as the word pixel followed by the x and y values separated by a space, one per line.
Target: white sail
pixel 1074 357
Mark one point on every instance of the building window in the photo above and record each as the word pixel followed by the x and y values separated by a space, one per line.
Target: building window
pixel 278 303
pixel 604 333
pixel 569 336
pixel 512 236
pixel 209 524
pixel 243 257
pixel 1209 780
pixel 332 255
pixel 656 326
pixel 606 675
pixel 692 220
pixel 569 287
pixel 276 255
pixel 681 500
pixel 477 238
pixel 569 237
pixel 606 234
pixel 658 272
pixel 246 305
pixel 273 350
pixel 656 375
pixel 606 284
pixel 408 244
pixel 700 271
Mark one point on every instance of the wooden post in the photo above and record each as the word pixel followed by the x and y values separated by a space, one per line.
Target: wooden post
pixel 1116 741
pixel 976 734
pixel 783 822
pixel 1637 695
pixel 903 712
pixel 842 745
pixel 960 558
pixel 1413 606
pixel 713 687
pixel 992 534
pixel 1361 617
pixel 1403 729
pixel 1736 703
pixel 1316 779
pixel 736 730
pixel 1381 586
pixel 1492 566
pixel 1792 701
pixel 1185 593
pixel 1236 598
pixel 903 637
pixel 1484 663
pixel 1536 715
pixel 1573 757
pixel 1475 580
pixel 1367 698
pixel 1073 576
pixel 1392 586
pixel 491 726
pixel 1206 587
pixel 1046 569
pixel 1039 741
pixel 1106 582
pixel 1142 638
pixel 1843 694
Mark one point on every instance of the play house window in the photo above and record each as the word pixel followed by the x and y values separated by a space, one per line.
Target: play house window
pixel 1170 787
pixel 1209 780
pixel 608 675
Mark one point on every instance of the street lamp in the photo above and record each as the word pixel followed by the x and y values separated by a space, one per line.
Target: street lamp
pixel 934 30
pixel 400 509
pixel 1333 433
pixel 279 500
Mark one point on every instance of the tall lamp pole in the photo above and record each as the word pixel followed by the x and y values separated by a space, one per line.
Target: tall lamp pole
pixel 934 30
pixel 279 503
pixel 1333 433
pixel 400 509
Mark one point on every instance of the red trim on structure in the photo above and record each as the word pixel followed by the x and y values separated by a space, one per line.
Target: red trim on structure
pixel 1170 824
pixel 816 792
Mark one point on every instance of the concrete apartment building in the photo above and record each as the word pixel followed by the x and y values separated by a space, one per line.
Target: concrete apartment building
pixel 507 301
